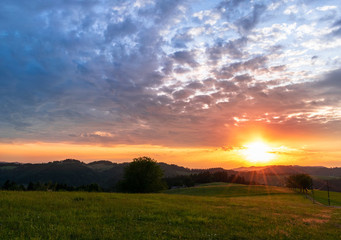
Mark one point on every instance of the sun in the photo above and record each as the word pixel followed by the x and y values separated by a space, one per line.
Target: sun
pixel 257 152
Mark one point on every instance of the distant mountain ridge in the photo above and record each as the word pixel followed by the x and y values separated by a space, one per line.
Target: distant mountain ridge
pixel 76 173
pixel 292 169
pixel 277 174
pixel 107 174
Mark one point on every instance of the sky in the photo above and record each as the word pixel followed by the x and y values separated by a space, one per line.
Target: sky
pixel 195 83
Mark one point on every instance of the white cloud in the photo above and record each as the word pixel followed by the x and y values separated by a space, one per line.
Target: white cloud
pixel 274 6
pixel 291 10
pixel 276 32
pixel 195 31
pixel 326 8
pixel 318 44
pixel 202 14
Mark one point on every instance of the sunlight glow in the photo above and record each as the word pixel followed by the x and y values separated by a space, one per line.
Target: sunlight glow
pixel 257 152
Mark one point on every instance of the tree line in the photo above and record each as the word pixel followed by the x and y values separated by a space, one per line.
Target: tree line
pixel 38 186
pixel 205 177
pixel 144 175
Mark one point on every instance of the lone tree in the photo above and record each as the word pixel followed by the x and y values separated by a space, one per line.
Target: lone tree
pixel 143 175
pixel 299 181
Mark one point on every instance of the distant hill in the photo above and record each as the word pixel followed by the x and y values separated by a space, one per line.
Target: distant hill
pixel 292 169
pixel 76 173
pixel 280 169
pixel 276 175
pixel 248 169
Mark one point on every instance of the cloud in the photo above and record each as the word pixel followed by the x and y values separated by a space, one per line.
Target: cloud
pixel 182 94
pixel 251 64
pixel 185 57
pixel 337 26
pixel 247 23
pixel 291 10
pixel 181 40
pixel 121 29
pixel 243 78
pixel 195 85
pixel 331 81
pixel 160 72
pixel 232 48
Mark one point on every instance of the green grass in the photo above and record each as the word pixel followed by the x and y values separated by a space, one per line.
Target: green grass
pixel 218 212
pixel 325 177
pixel 7 167
pixel 322 197
pixel 229 190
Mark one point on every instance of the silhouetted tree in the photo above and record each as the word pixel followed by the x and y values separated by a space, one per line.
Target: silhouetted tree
pixel 299 181
pixel 30 186
pixel 11 185
pixel 93 187
pixel 143 175
pixel 220 176
pixel 203 177
pixel 180 181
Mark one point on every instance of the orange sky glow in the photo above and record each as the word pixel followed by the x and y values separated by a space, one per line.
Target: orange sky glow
pixel 310 154
pixel 195 83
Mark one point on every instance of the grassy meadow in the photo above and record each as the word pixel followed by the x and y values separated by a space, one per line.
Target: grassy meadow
pixel 322 197
pixel 216 211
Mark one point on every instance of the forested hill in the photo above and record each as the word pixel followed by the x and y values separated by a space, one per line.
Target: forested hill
pixel 76 173
pixel 292 169
pixel 276 175
pixel 107 174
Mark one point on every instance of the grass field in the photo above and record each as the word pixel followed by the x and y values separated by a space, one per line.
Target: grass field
pixel 230 190
pixel 322 197
pixel 205 212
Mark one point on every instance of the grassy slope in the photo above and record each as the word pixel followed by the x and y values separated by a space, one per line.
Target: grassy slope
pixel 212 212
pixel 322 197
pixel 230 190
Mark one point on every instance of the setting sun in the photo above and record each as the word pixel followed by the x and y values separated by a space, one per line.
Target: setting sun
pixel 257 152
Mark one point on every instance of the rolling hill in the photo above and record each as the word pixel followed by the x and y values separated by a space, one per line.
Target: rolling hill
pixel 107 174
pixel 276 175
pixel 76 173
